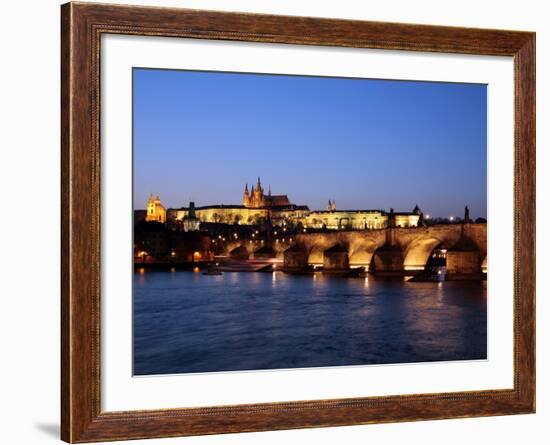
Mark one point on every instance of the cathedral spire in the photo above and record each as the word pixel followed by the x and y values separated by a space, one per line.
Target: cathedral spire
pixel 269 190
pixel 246 196
pixel 259 185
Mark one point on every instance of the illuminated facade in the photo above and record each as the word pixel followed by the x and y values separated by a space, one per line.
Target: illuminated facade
pixel 346 219
pixel 258 207
pixel 155 210
pixel 225 214
pixel 190 221
pixel 360 219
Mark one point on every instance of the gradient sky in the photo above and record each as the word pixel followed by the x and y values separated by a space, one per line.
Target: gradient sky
pixel 368 144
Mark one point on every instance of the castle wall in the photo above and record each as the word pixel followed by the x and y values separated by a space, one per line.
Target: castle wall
pixel 232 215
pixel 341 219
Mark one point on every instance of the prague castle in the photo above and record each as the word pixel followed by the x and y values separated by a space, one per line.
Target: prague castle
pixel 258 207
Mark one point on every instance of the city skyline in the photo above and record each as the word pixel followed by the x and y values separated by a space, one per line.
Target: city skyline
pixel 367 144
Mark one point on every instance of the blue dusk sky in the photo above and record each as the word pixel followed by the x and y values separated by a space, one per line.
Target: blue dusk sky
pixel 365 143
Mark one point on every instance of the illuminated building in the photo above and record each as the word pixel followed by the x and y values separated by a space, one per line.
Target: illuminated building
pixel 155 210
pixel 346 219
pixel 258 207
pixel 190 220
pixel 257 199
pixel 360 219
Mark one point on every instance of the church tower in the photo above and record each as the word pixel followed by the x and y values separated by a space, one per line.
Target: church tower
pixel 246 197
pixel 155 210
pixel 258 195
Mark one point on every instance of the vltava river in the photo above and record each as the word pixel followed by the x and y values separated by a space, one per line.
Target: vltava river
pixel 189 322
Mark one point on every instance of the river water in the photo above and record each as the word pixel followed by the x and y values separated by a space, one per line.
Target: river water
pixel 188 322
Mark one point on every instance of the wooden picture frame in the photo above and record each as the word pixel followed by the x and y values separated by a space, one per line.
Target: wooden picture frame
pixel 82 25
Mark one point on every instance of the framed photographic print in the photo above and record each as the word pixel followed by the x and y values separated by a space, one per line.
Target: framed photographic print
pixel 276 222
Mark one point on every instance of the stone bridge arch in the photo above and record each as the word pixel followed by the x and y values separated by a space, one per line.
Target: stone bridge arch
pixel 419 243
pixel 418 252
pixel 397 250
pixel 360 245
pixel 362 251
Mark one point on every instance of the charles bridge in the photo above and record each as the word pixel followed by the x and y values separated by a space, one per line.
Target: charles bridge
pixel 391 250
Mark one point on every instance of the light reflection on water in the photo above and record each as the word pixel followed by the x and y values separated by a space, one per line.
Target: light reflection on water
pixel 189 322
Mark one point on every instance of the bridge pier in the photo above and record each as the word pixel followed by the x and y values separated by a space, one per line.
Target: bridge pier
pixel 295 258
pixel 389 259
pixel 239 253
pixel 336 259
pixel 463 263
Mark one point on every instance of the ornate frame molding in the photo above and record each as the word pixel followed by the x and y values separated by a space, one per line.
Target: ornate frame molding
pixel 82 25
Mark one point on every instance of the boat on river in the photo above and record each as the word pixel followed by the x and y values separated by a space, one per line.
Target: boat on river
pixel 213 270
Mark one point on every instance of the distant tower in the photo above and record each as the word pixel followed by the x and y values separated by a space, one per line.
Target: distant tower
pixel 246 197
pixel 190 221
pixel 191 213
pixel 467 215
pixel 333 208
pixel 418 212
pixel 391 218
pixel 269 191
pixel 150 208
pixel 329 206
pixel 257 195
pixel 155 210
